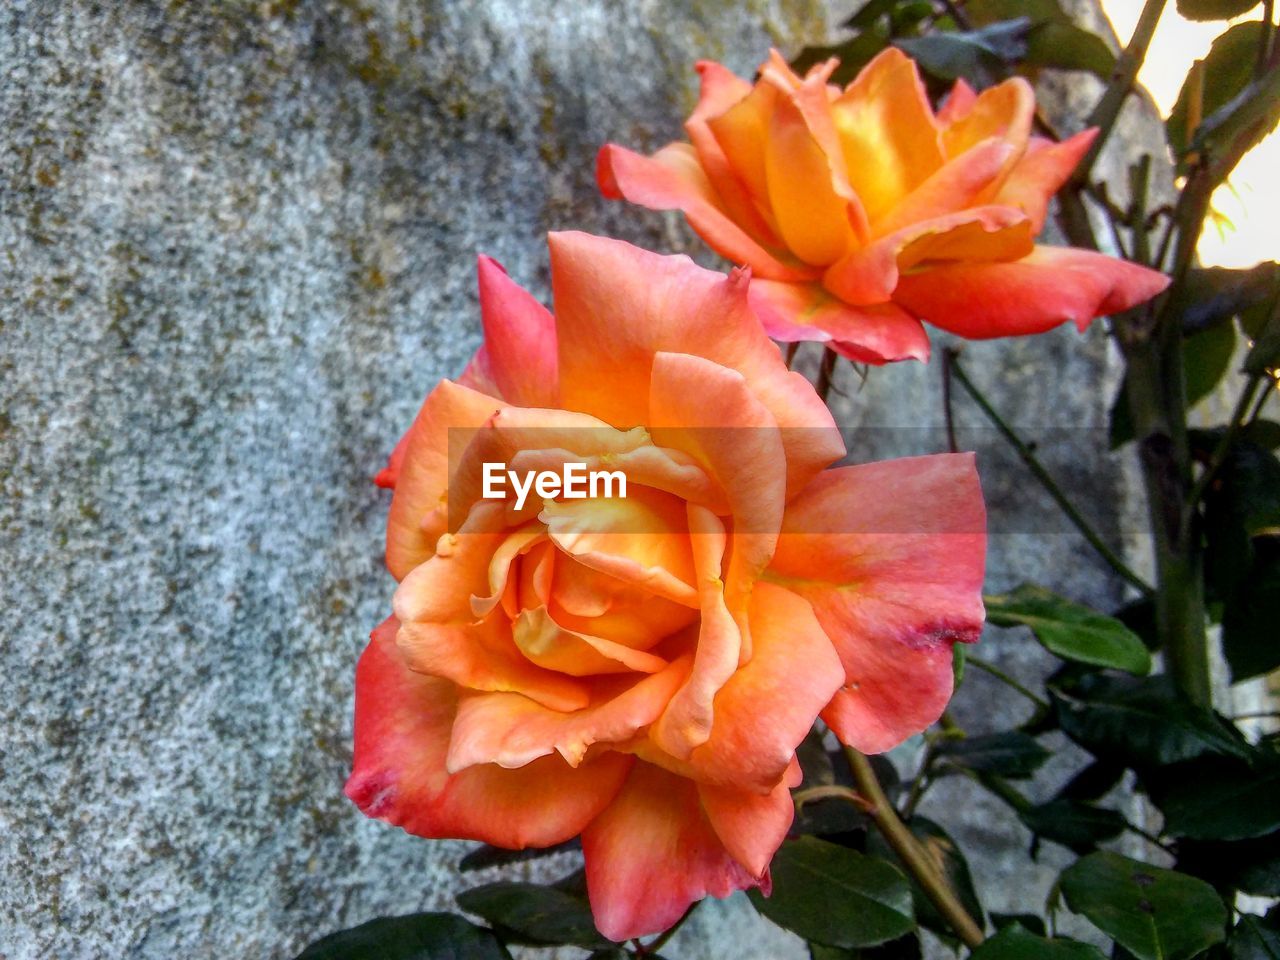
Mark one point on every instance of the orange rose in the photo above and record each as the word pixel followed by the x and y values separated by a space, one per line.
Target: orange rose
pixel 640 670
pixel 861 212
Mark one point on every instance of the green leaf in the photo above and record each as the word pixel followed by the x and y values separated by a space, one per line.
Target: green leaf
pixel 1093 782
pixel 1249 622
pixel 1221 800
pixel 1078 826
pixel 836 896
pixel 1264 355
pixel 955 869
pixel 538 913
pixel 1055 40
pixel 1011 754
pixel 487 856
pixel 1015 943
pixel 418 936
pixel 1217 294
pixel 1206 358
pixel 1028 921
pixel 1256 938
pixel 1228 70
pixel 1142 723
pixel 1215 9
pixel 1070 630
pixel 1155 914
pixel 904 948
pixel 979 56
pixel 1250 866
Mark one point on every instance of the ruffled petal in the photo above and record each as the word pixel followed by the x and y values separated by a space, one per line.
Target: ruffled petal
pixel 547 644
pixel 890 556
pixel 441 588
pixel 766 708
pixel 518 356
pixel 1048 287
pixel 871 274
pixel 878 333
pixel 1005 111
pixel 652 853
pixel 672 179
pixel 617 307
pixel 403 722
pixel 888 132
pixel 419 472
pixel 512 730
pixel 750 826
pixel 484 657
pixel 1040 173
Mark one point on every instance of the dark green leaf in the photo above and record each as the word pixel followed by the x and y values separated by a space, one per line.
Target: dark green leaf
pixel 1238 125
pixel 1206 358
pixel 955 869
pixel 1256 938
pixel 418 936
pixel 1249 639
pixel 538 913
pixel 1079 826
pixel 1011 754
pixel 1214 9
pixel 1028 921
pixel 1250 866
pixel 1153 913
pixel 1141 723
pixel 1228 70
pixel 904 948
pixel 1093 782
pixel 487 856
pixel 1264 355
pixel 836 896
pixel 979 56
pixel 1015 943
pixel 1070 630
pixel 1055 40
pixel 1217 294
pixel 1069 46
pixel 1221 800
pixel 871 11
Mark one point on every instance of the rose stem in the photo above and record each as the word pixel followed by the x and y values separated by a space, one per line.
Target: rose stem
pixel 909 851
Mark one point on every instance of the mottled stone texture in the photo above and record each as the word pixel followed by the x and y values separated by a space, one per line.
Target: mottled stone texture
pixel 236 249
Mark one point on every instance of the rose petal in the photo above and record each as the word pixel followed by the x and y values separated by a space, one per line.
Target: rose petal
pixel 518 356
pixel 512 730
pixel 484 657
pixel 750 826
pixel 547 644
pixel 875 334
pixel 890 556
pixel 421 475
pixel 953 187
pixel 1049 286
pixel 871 274
pixel 617 307
pixel 673 180
pixel 652 853
pixel 402 729
pixel 1040 172
pixel 888 131
pixel 1005 111
pixel 440 590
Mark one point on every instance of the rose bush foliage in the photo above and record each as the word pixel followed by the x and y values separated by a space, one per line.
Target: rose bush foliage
pixel 640 671
pixel 862 212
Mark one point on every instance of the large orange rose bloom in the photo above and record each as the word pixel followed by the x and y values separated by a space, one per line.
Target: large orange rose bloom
pixel 640 670
pixel 861 212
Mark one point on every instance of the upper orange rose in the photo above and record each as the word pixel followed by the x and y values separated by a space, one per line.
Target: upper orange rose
pixel 861 212
pixel 640 670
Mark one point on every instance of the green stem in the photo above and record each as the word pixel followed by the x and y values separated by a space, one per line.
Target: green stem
pixel 825 373
pixel 1128 64
pixel 909 851
pixel 1239 417
pixel 1003 677
pixel 658 942
pixel 1041 474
